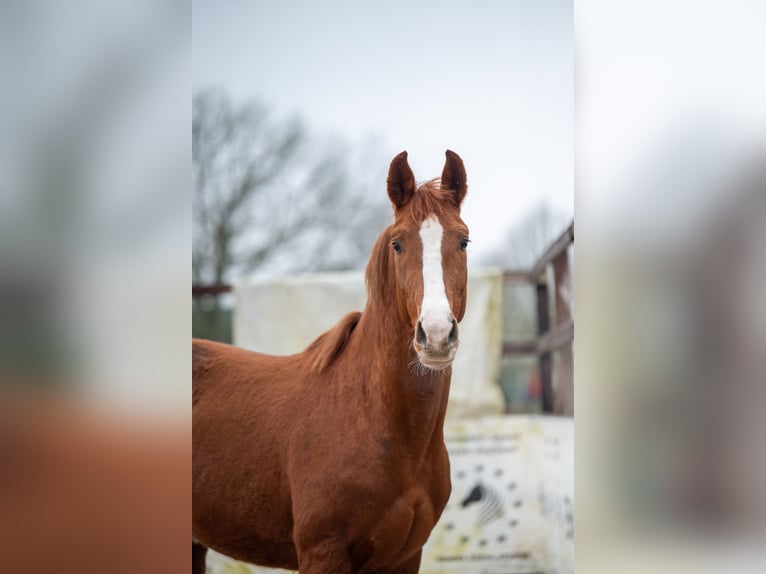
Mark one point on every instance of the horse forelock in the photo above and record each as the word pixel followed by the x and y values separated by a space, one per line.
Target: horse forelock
pixel 430 199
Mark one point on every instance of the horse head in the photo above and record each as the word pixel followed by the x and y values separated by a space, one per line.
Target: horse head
pixel 427 244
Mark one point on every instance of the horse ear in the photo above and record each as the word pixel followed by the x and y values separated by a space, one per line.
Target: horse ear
pixel 453 176
pixel 401 181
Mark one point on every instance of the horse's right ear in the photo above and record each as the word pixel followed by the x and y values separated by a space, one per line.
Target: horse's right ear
pixel 401 182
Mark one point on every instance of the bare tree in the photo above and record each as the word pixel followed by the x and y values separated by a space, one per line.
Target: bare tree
pixel 526 241
pixel 269 197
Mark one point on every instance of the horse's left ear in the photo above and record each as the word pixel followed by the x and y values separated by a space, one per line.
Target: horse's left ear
pixel 453 176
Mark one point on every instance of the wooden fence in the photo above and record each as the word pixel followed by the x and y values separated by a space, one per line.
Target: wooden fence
pixel 555 330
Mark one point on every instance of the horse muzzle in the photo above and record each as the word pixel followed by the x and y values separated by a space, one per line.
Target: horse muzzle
pixel 436 343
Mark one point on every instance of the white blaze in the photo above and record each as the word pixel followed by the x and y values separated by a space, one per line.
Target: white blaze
pixel 435 313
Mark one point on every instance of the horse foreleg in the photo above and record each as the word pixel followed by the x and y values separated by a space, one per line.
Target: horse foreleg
pixel 198 558
pixel 324 558
pixel 412 566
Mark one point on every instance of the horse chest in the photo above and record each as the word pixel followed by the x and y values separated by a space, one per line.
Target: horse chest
pixel 404 526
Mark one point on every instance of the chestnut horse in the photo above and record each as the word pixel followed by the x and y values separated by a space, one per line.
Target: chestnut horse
pixel 333 460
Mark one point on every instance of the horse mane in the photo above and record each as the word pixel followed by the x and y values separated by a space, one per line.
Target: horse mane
pixel 377 267
pixel 330 344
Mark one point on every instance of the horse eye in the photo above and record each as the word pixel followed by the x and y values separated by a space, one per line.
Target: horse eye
pixel 397 246
pixel 464 244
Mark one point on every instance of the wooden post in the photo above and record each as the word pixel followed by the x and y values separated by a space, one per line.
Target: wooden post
pixel 544 359
pixel 564 399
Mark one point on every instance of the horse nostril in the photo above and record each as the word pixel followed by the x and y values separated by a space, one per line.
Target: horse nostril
pixel 420 335
pixel 453 332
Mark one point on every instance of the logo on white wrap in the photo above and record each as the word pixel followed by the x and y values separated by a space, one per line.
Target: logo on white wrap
pixel 435 312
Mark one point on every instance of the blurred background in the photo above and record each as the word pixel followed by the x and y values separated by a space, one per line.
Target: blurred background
pixel 671 206
pixel 94 272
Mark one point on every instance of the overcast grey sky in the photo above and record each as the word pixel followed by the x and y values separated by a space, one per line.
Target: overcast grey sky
pixel 492 80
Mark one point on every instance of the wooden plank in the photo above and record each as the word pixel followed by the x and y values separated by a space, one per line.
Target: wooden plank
pixel 545 359
pixel 564 401
pixel 518 348
pixel 217 289
pixel 546 343
pixel 558 246
pixel 517 276
pixel 558 337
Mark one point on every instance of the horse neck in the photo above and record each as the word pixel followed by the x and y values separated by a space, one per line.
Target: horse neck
pixel 413 401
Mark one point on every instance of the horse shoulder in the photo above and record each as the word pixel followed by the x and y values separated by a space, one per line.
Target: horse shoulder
pixel 330 345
